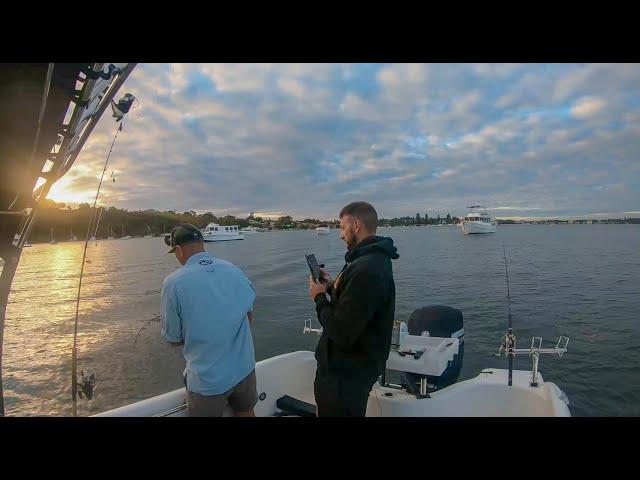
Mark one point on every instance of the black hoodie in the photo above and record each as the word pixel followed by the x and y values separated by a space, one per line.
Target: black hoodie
pixel 358 321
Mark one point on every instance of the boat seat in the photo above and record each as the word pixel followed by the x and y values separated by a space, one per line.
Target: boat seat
pixel 293 406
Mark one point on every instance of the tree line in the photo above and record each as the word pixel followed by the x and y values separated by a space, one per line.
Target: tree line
pixel 62 222
pixel 418 220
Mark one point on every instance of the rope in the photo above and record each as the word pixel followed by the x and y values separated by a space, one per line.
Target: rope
pixel 74 351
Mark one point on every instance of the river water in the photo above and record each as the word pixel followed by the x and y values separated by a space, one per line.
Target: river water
pixel 582 281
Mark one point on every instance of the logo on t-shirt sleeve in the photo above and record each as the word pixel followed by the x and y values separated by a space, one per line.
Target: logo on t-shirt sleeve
pixel 205 262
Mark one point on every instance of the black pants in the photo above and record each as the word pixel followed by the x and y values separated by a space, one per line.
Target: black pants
pixel 339 397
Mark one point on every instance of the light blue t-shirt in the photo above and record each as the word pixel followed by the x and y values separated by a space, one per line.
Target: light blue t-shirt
pixel 205 305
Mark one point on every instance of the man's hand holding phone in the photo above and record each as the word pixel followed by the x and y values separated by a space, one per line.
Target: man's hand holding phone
pixel 319 278
pixel 316 288
pixel 325 277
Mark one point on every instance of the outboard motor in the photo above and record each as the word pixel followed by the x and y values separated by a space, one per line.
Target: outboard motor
pixel 439 321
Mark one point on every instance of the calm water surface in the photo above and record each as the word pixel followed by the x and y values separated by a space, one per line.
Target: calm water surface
pixel 582 281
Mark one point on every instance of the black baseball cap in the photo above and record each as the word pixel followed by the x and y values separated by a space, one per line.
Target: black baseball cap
pixel 181 234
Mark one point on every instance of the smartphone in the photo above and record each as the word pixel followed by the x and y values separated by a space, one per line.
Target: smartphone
pixel 314 267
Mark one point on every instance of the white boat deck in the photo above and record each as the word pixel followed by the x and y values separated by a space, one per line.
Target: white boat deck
pixel 292 374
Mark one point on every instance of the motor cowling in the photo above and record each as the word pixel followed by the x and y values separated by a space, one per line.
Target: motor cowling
pixel 439 321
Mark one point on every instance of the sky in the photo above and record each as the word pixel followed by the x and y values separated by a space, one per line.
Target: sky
pixel 524 140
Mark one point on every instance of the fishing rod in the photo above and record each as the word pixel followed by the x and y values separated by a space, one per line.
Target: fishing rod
pixel 95 230
pixel 74 351
pixel 509 338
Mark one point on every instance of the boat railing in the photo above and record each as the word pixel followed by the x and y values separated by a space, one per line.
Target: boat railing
pixel 535 351
pixel 307 328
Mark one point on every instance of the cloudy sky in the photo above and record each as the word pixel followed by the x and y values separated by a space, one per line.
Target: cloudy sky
pixel 529 140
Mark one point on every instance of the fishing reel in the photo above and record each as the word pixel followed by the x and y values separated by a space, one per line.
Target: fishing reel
pixel 86 384
pixel 507 344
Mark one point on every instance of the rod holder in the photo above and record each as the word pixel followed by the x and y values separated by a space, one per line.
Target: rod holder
pixel 307 328
pixel 535 351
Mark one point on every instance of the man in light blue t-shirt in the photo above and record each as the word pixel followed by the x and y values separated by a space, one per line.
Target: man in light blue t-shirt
pixel 207 306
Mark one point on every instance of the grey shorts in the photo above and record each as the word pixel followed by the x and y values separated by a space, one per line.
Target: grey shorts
pixel 242 398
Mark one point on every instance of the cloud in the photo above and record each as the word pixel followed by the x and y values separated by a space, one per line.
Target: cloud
pixel 587 107
pixel 447 173
pixel 305 139
pixel 518 208
pixel 597 78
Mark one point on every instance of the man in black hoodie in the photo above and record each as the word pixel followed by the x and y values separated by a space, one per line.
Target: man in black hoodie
pixel 358 319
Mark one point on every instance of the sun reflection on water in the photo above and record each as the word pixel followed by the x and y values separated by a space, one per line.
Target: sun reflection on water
pixel 41 314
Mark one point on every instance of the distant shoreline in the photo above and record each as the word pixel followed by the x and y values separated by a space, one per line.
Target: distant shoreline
pixel 533 222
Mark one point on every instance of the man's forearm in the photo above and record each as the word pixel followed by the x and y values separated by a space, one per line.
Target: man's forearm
pixel 344 321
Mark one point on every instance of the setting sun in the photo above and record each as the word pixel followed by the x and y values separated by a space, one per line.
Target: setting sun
pixel 62 191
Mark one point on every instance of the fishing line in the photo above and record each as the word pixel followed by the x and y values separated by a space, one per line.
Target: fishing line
pixel 156 318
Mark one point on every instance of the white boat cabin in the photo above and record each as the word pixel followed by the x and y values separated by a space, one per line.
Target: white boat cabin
pixel 478 217
pixel 215 229
pixel 214 232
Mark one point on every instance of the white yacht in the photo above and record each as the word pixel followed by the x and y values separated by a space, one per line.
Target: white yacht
pixel 249 230
pixel 218 233
pixel 323 230
pixel 478 221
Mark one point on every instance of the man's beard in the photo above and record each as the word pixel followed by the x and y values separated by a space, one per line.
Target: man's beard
pixel 351 242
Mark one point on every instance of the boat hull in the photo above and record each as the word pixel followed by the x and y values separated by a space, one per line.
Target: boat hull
pixel 221 238
pixel 477 227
